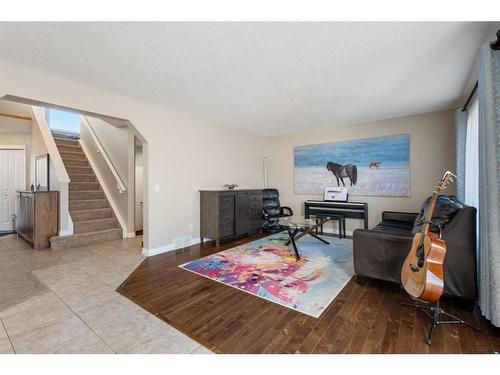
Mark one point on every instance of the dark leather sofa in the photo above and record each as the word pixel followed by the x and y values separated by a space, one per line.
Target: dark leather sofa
pixel 379 253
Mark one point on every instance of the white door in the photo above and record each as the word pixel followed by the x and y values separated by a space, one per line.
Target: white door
pixel 12 178
pixel 138 197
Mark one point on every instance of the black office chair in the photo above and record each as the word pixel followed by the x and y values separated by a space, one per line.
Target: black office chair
pixel 272 210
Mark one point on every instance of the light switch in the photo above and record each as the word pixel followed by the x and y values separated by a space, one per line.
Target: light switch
pixel 157 187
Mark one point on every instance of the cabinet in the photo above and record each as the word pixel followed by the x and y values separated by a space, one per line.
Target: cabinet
pixel 37 216
pixel 226 214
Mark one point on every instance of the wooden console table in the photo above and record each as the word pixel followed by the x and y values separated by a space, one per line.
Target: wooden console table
pixel 37 217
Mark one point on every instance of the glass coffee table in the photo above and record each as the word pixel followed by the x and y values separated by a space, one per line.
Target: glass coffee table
pixel 300 226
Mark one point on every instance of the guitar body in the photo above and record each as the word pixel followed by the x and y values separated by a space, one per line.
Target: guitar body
pixel 425 283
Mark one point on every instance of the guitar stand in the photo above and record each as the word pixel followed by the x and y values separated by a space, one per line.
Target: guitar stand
pixel 435 311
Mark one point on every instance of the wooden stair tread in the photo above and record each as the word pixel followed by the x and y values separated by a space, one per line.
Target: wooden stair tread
pixel 86 234
pixel 85 238
pixel 91 199
pixel 92 209
pixel 97 220
pixel 93 217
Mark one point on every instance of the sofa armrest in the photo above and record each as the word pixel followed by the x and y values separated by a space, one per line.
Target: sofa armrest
pixel 379 255
pixel 399 216
pixel 460 261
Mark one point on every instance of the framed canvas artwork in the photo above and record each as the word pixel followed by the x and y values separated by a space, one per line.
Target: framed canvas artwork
pixel 372 166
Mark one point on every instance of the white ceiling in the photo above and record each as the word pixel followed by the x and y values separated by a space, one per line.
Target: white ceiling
pixel 267 78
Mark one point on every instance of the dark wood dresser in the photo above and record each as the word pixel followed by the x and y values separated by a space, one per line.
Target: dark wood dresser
pixel 226 214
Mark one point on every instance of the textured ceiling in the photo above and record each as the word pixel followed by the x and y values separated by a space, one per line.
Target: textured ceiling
pixel 267 78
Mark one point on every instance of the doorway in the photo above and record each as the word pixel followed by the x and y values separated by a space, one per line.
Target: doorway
pixel 139 188
pixel 13 178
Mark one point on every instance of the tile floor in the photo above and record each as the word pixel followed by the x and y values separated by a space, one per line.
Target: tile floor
pixel 64 301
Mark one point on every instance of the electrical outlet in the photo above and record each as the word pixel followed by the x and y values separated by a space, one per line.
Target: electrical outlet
pixel 190 227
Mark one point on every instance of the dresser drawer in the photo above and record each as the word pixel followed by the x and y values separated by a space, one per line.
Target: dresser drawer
pixel 226 202
pixel 226 228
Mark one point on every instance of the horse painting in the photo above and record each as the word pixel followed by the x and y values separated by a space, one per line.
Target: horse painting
pixel 343 171
pixel 375 164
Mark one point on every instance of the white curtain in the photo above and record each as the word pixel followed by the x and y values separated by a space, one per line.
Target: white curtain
pixel 472 156
pixel 489 187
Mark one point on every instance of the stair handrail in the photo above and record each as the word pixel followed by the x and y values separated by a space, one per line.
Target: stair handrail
pixel 100 149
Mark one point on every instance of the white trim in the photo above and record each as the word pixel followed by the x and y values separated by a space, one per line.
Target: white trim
pixel 166 248
pixel 12 147
pixel 67 232
pixel 158 250
pixel 100 149
pixel 100 178
pixel 130 235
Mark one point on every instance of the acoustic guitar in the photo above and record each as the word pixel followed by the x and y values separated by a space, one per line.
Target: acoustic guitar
pixel 422 275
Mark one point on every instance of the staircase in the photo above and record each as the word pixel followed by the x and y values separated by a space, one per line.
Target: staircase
pixel 93 218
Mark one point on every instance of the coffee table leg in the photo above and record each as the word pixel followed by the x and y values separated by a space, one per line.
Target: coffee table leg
pixel 319 238
pixel 292 240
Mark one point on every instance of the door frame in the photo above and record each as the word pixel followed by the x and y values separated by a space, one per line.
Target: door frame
pixel 13 147
pixel 24 149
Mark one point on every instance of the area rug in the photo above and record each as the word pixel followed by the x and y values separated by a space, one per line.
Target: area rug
pixel 268 269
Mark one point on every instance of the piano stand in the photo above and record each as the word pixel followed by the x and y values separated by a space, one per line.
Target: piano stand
pixel 347 210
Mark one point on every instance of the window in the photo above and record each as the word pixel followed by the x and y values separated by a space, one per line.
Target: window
pixel 63 122
pixel 472 156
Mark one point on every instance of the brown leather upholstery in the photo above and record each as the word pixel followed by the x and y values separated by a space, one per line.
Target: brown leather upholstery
pixel 380 252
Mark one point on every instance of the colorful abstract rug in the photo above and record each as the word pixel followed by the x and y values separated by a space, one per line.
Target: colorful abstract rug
pixel 268 269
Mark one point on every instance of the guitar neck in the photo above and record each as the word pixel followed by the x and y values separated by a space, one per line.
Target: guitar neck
pixel 428 214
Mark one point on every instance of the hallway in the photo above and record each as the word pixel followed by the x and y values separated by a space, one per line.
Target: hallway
pixel 64 301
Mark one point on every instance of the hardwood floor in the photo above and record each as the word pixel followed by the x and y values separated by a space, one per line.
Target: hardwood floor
pixel 362 319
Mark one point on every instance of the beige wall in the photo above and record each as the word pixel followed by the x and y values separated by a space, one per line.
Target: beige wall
pixel 182 154
pixel 115 142
pixel 432 152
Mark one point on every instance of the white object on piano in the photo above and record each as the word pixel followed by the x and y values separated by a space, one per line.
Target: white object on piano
pixel 338 194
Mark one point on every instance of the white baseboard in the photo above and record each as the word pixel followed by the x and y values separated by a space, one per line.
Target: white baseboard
pixel 67 232
pixel 158 250
pixel 166 248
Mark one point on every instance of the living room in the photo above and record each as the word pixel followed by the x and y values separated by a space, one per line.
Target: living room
pixel 307 187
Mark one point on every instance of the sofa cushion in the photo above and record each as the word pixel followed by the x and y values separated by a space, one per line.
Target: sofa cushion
pixel 397 224
pixel 389 228
pixel 446 208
